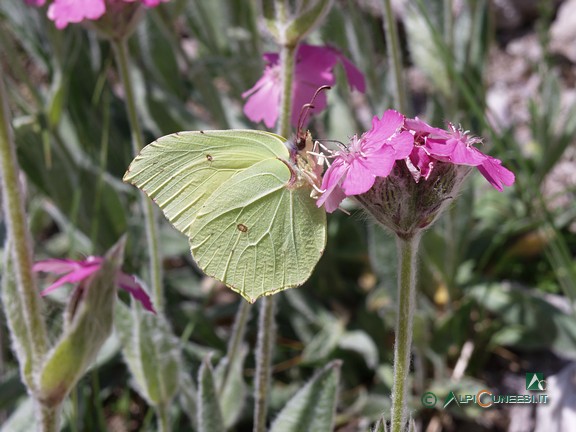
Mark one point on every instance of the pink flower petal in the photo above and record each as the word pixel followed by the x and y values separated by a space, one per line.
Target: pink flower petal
pixel 358 179
pixel 75 276
pixel 378 164
pixel 466 155
pixel 496 174
pixel 353 74
pixel 57 266
pixel 331 199
pixel 420 164
pixel 263 99
pixel 63 12
pixel 35 2
pixel 333 195
pixel 131 285
pixel 403 143
pixel 383 129
pixel 153 3
pixel 419 126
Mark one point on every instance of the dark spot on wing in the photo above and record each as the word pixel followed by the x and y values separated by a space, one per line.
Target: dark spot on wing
pixel 242 227
pixel 202 132
pixel 209 158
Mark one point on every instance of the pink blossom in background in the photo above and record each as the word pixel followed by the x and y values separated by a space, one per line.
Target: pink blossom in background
pixel 314 68
pixel 64 12
pixel 355 168
pixel 78 271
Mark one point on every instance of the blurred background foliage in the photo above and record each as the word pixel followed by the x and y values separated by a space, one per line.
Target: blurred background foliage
pixel 497 275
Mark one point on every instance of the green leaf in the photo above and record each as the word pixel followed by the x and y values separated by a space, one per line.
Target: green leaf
pixel 324 342
pixel 360 342
pixel 209 413
pixel 187 398
pixel 151 352
pixel 233 392
pixel 312 407
pixel 12 307
pixel 88 323
pixel 306 20
pixel 240 198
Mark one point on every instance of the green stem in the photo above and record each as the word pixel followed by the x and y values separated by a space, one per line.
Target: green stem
pixel 163 418
pixel 236 338
pixel 122 60
pixel 16 225
pixel 407 252
pixel 266 336
pixel 394 57
pixel 49 419
pixel 287 61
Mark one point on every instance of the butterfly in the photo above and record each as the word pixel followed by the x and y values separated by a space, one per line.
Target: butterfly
pixel 244 198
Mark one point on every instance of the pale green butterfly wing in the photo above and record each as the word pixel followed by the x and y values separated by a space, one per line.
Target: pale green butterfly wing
pixel 251 223
pixel 180 171
pixel 257 234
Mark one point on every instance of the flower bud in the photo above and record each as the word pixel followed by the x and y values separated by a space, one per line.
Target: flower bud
pixel 290 26
pixel 405 206
pixel 87 325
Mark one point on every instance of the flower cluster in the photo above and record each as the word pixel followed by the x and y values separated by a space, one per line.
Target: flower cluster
pixel 64 12
pixel 80 271
pixel 314 68
pixel 403 171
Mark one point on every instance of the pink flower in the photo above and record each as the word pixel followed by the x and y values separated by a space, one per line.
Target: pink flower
pixel 314 68
pixel 78 271
pixel 355 169
pixel 457 147
pixel 64 12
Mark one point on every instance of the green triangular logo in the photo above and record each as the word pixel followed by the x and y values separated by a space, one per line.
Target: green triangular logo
pixel 451 397
pixel 535 381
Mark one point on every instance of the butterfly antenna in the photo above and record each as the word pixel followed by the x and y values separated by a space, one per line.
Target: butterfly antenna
pixel 309 106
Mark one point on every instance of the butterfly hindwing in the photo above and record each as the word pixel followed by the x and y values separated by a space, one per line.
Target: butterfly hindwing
pixel 257 234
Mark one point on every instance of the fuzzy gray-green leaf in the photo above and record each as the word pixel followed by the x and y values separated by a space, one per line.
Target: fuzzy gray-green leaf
pixel 209 413
pixel 151 352
pixel 312 407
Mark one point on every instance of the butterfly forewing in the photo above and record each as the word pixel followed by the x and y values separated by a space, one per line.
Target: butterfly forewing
pixel 181 171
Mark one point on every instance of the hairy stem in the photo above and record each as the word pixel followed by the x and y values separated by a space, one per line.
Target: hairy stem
pixel 287 63
pixel 163 418
pixel 49 419
pixel 36 344
pixel 236 339
pixel 407 252
pixel 394 56
pixel 266 337
pixel 266 323
pixel 123 61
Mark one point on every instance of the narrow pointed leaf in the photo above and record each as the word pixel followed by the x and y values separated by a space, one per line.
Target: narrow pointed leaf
pixel 151 352
pixel 209 413
pixel 233 392
pixel 313 407
pixel 14 315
